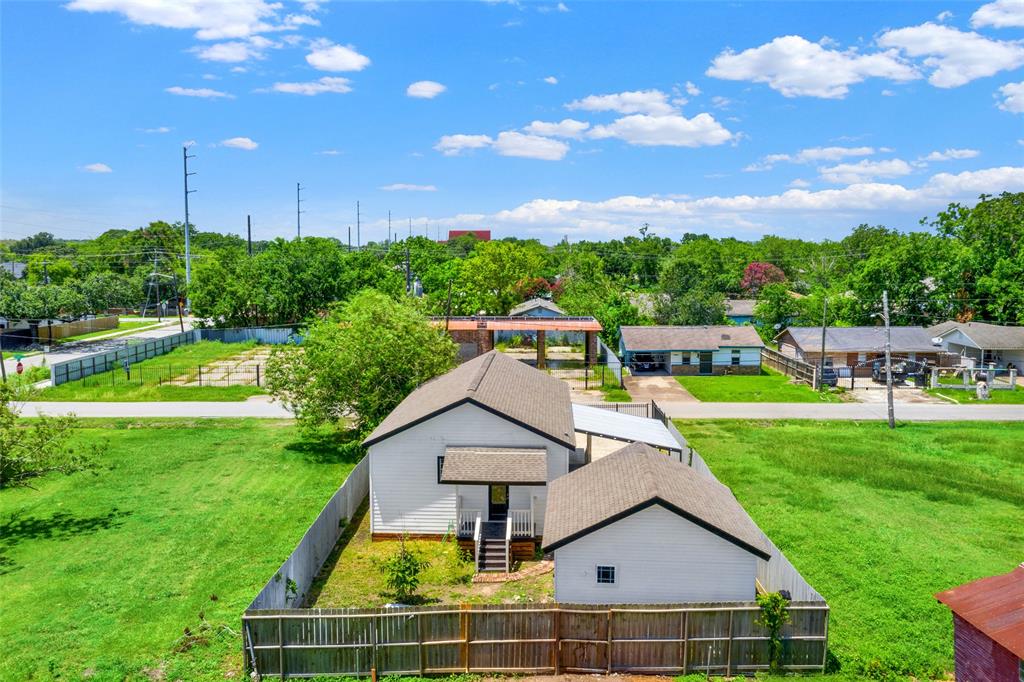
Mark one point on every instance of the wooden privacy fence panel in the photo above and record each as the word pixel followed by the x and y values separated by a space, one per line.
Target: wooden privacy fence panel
pixel 548 638
pixel 798 369
pixel 65 329
pixel 291 583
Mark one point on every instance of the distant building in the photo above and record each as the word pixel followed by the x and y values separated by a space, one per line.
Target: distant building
pixel 857 347
pixel 706 350
pixel 988 628
pixel 17 269
pixel 740 310
pixel 537 307
pixel 982 343
pixel 482 235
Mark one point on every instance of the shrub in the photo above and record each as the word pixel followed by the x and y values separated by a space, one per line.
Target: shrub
pixel 402 572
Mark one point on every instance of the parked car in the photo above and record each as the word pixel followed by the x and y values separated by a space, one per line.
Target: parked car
pixel 829 377
pixel 878 371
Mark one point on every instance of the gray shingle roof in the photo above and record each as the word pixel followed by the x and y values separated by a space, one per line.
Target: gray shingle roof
pixel 634 478
pixel 527 306
pixel 689 338
pixel 861 339
pixel 519 466
pixel 498 384
pixel 740 306
pixel 987 336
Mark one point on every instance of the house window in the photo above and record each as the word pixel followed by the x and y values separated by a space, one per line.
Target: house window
pixel 605 575
pixel 862 357
pixel 686 358
pixel 440 467
pixel 736 357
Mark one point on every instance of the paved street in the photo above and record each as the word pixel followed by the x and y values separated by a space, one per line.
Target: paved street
pixel 261 407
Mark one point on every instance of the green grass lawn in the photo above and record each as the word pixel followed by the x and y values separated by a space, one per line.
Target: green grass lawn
pixel 879 521
pixel 769 387
pixel 101 573
pixel 998 397
pixel 114 386
pixel 122 328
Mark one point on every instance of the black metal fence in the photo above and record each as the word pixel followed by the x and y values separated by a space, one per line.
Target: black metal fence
pixel 155 374
pixel 131 353
pixel 594 377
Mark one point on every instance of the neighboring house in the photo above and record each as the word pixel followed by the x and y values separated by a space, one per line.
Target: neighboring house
pixel 537 307
pixel 988 628
pixel 857 347
pixel 482 235
pixel 481 441
pixel 692 350
pixel 982 343
pixel 637 527
pixel 740 311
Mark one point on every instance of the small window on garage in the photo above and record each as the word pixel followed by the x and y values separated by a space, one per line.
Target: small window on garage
pixel 736 356
pixel 440 467
pixel 605 575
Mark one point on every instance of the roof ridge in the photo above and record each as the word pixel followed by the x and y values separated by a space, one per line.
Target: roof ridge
pixel 475 382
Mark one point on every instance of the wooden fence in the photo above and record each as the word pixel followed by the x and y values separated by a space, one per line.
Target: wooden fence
pixel 798 369
pixel 65 329
pixel 529 638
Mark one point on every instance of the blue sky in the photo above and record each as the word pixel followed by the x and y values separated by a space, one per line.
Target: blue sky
pixel 533 119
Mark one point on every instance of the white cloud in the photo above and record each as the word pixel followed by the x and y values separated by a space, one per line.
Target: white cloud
pixel 551 80
pixel 235 51
pixel 210 77
pixel 720 102
pixel 159 129
pixel 999 14
pixel 810 155
pixel 97 168
pixel 335 84
pixel 240 143
pixel 761 214
pixel 1013 98
pixel 864 171
pixel 944 16
pixel 691 89
pixel 425 89
pixel 567 127
pixel 675 130
pixel 653 102
pixel 799 183
pixel 329 152
pixel 796 67
pixel 211 19
pixel 238 69
pixel 511 143
pixel 207 93
pixel 453 145
pixel 405 187
pixel 561 7
pixel 951 154
pixel 954 57
pixel 326 56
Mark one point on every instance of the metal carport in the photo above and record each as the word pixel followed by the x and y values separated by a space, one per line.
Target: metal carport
pixel 597 421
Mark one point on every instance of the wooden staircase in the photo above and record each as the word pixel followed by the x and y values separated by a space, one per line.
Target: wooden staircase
pixel 492 547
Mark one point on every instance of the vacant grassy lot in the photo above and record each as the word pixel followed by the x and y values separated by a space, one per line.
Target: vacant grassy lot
pixel 769 387
pixel 101 573
pixel 1000 397
pixel 879 520
pixel 351 576
pixel 115 385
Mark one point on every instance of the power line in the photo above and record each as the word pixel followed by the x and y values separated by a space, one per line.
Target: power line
pixel 188 249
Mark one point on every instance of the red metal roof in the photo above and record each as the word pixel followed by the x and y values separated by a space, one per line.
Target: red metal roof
pixel 482 235
pixel 548 324
pixel 994 605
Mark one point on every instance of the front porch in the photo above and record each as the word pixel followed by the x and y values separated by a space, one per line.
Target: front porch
pixel 497 544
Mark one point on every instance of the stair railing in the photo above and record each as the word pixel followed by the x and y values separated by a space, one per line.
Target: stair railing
pixel 476 541
pixel 508 545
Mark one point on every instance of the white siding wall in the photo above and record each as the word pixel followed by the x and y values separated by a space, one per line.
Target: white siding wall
pixel 404 493
pixel 659 557
pixel 748 356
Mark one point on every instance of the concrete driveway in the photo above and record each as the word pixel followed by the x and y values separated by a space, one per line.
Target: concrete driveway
pixel 662 388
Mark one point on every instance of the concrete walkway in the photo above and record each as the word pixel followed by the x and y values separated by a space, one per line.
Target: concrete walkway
pixel 661 387
pixel 261 407
pixel 850 411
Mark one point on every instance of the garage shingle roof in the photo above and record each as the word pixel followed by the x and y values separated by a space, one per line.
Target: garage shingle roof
pixel 634 478
pixel 987 336
pixel 527 306
pixel 862 339
pixel 711 338
pixel 496 383
pixel 512 466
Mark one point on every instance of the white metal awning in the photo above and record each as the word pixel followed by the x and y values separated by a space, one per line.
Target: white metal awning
pixel 604 423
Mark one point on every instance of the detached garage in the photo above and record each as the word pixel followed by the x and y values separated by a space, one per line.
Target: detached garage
pixel 637 527
pixel 701 350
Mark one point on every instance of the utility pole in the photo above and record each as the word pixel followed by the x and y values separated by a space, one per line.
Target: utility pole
pixel 389 228
pixel 49 325
pixel 350 239
pixel 298 209
pixel 408 271
pixel 824 326
pixel 888 358
pixel 188 240
pixel 248 234
pixel 359 231
pixel 448 307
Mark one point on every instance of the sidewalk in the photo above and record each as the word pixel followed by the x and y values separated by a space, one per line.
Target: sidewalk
pixel 262 408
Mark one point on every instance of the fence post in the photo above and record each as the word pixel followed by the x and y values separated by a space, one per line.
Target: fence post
pixel 683 637
pixel 200 375
pixel 257 375
pixel 608 647
pixel 280 646
pixel 420 637
pixel 728 651
pixel 464 635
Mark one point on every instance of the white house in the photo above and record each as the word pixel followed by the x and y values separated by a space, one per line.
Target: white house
pixel 980 343
pixel 471 453
pixel 698 350
pixel 638 527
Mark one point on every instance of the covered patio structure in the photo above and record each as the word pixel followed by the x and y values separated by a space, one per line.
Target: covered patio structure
pixel 475 335
pixel 626 428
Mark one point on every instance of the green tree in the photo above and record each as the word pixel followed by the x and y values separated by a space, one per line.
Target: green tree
pixel 58 270
pixel 34 448
pixel 402 571
pixel 360 361
pixel 489 277
pixel 104 290
pixel 774 310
